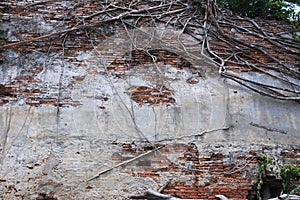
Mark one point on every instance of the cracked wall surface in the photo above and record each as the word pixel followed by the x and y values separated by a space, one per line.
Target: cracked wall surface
pixel 67 115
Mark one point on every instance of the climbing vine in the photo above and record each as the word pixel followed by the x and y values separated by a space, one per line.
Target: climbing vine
pixel 262 171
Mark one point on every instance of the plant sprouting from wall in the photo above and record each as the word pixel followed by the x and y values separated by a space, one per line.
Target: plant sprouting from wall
pixel 262 171
pixel 289 175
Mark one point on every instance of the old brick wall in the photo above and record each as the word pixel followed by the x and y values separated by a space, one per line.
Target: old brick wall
pixel 68 112
pixel 202 171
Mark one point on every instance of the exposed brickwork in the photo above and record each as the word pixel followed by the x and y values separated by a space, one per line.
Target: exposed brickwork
pixel 201 175
pixel 160 56
pixel 31 90
pixel 256 55
pixel 152 62
pixel 15 93
pixel 28 88
pixel 152 96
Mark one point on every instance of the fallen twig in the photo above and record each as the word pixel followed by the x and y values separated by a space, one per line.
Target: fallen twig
pixel 125 162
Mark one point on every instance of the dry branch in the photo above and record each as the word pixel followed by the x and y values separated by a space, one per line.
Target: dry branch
pixel 125 163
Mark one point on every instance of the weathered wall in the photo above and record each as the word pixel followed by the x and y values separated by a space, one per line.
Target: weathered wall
pixel 67 115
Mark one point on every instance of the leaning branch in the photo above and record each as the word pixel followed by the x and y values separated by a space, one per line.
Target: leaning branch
pixel 125 163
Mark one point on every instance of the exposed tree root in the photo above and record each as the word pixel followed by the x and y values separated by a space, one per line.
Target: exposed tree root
pixel 233 43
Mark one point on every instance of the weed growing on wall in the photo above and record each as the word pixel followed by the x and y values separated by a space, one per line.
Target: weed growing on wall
pixel 289 175
pixel 262 171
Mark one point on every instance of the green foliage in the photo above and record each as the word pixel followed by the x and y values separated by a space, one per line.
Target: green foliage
pixel 267 9
pixel 279 10
pixel 289 174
